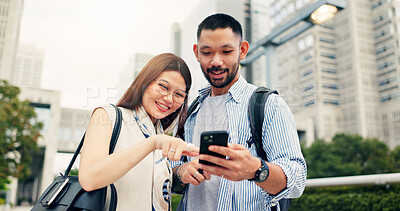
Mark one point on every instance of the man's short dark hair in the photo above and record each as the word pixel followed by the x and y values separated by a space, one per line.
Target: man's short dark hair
pixel 220 21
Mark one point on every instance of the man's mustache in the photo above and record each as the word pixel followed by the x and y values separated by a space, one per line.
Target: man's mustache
pixel 214 69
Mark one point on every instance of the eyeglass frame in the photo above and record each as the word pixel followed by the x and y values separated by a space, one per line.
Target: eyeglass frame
pixel 169 91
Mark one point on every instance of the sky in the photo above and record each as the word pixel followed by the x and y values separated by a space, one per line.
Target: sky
pixel 87 43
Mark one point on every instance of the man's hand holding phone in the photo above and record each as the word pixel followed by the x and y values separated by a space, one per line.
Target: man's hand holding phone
pixel 241 164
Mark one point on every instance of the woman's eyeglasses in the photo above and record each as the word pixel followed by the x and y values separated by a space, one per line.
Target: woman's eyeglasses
pixel 165 88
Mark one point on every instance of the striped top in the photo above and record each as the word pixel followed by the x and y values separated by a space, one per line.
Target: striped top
pixel 280 142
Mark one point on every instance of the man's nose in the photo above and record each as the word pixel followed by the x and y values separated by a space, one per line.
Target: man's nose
pixel 216 60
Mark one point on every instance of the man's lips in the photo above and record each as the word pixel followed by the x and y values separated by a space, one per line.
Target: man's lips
pixel 216 72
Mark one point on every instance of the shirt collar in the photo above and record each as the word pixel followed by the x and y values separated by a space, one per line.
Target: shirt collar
pixel 235 92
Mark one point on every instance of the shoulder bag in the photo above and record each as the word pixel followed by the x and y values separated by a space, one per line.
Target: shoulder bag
pixel 65 193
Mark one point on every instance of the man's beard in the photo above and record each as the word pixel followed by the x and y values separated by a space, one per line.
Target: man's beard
pixel 222 82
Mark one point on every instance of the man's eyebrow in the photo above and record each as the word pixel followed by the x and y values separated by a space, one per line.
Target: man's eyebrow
pixel 204 47
pixel 228 45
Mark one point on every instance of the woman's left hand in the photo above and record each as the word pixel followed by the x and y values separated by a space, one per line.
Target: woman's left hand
pixel 173 148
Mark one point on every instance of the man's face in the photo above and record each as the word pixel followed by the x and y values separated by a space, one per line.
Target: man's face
pixel 219 52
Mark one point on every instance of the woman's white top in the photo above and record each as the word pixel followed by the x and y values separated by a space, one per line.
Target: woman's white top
pixel 148 184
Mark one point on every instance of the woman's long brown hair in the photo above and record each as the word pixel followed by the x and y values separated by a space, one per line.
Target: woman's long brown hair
pixel 132 98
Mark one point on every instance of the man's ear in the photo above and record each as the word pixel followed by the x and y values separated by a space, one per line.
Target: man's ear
pixel 196 53
pixel 244 48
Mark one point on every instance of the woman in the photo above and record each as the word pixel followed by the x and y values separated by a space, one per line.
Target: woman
pixel 156 99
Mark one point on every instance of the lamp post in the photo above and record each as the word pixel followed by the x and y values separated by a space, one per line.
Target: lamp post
pixel 316 13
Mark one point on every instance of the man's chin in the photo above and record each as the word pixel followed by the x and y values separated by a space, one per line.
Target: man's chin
pixel 218 83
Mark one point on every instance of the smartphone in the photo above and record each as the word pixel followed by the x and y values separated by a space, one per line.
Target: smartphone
pixel 53 193
pixel 209 138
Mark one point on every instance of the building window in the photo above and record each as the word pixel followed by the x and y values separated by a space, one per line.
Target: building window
pixel 326 40
pixel 378 3
pixel 309 103
pixel 384 49
pixel 385 64
pixel 383 32
pixel 387 81
pixel 389 97
pixel 308 88
pixel 306 73
pixel 329 55
pixel 64 134
pixel 331 102
pixel 306 42
pixel 329 70
pixel 330 86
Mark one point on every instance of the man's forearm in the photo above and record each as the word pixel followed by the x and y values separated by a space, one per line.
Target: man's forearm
pixel 276 181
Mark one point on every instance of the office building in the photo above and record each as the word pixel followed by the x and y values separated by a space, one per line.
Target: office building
pixel 28 66
pixel 47 108
pixel 10 21
pixel 344 74
pixel 73 124
pixel 256 26
pixel 131 70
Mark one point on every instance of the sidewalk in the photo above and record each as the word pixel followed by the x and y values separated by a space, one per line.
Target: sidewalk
pixel 20 208
pixel 17 208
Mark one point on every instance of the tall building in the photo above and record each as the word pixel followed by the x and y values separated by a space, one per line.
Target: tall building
pixel 10 21
pixel 28 67
pixel 176 39
pixel 256 26
pixel 131 70
pixel 344 74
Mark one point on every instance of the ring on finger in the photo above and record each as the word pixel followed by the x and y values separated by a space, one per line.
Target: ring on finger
pixel 195 175
pixel 171 150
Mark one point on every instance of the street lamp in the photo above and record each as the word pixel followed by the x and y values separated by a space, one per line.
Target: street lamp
pixel 316 13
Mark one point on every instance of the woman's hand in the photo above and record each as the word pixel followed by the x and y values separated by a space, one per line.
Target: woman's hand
pixel 173 148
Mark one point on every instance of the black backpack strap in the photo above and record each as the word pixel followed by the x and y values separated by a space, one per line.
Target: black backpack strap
pixel 256 118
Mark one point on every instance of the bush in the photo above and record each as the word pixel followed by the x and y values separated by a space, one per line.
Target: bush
pixel 349 198
pixel 175 201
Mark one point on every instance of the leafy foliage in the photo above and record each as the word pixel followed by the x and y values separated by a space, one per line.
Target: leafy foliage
pixel 349 198
pixel 348 155
pixel 19 132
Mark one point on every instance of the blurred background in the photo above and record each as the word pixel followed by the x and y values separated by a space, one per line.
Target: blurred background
pixel 340 77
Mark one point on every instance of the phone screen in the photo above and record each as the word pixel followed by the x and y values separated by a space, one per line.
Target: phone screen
pixel 209 138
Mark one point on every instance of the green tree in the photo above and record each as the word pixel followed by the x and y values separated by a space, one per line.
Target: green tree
pixel 320 161
pixel 348 155
pixel 395 159
pixel 376 157
pixel 19 132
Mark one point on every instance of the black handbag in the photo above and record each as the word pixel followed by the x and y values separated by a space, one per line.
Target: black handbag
pixel 65 193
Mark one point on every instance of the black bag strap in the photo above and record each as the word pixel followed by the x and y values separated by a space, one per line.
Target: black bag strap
pixel 256 118
pixel 192 107
pixel 113 143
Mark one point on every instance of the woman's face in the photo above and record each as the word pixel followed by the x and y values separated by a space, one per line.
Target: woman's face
pixel 163 96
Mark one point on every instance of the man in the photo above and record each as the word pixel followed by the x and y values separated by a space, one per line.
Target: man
pixel 237 184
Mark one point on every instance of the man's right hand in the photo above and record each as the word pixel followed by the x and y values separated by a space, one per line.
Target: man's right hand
pixel 189 173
